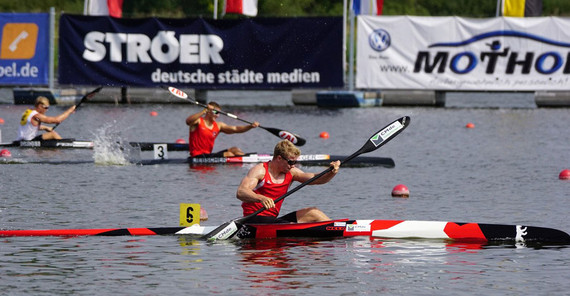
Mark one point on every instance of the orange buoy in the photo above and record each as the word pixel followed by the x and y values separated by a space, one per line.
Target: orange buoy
pixel 1 120
pixel 153 113
pixel 564 175
pixel 180 141
pixel 400 190
pixel 324 135
pixel 5 153
pixel 469 125
pixel 203 214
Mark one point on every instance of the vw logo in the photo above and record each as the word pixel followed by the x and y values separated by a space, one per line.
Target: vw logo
pixel 379 40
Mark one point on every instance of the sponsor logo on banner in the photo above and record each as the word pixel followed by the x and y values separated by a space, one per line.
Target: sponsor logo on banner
pixel 23 48
pixel 497 58
pixel 201 53
pixel 379 40
pixel 19 41
pixel 463 54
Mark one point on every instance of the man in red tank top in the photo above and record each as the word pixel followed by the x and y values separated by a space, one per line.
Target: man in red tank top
pixel 266 182
pixel 204 129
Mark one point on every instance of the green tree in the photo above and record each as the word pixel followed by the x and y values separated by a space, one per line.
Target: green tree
pixel 282 8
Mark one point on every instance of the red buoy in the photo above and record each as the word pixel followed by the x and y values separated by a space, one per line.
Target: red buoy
pixel 5 153
pixel 470 125
pixel 203 214
pixel 324 135
pixel 400 190
pixel 180 141
pixel 564 175
pixel 1 120
pixel 153 113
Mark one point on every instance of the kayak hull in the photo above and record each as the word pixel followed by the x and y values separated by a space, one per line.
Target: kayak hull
pixel 51 144
pixel 401 229
pixel 306 159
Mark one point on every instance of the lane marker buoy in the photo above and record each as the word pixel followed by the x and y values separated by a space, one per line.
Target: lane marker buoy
pixel 400 190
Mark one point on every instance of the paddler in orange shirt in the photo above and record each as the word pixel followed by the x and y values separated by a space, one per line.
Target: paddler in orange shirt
pixel 204 129
pixel 268 181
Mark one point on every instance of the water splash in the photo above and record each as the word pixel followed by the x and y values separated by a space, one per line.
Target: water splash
pixel 110 148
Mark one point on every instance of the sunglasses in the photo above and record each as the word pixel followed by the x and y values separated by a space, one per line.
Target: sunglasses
pixel 215 112
pixel 289 162
pixel 45 107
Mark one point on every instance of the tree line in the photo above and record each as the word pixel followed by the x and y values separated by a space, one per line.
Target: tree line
pixel 283 8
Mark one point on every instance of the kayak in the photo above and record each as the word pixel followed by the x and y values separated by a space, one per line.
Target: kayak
pixel 63 143
pixel 86 144
pixel 306 159
pixel 343 228
pixel 403 229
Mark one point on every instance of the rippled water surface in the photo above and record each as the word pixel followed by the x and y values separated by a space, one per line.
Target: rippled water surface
pixel 505 170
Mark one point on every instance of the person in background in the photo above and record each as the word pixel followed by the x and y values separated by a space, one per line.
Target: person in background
pixel 267 181
pixel 204 129
pixel 32 119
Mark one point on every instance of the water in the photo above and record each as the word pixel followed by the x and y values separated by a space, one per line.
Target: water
pixel 505 170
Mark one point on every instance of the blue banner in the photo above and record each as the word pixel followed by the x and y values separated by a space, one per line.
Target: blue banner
pixel 257 53
pixel 24 50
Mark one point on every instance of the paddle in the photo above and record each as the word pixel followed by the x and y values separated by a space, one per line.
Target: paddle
pixel 228 229
pixel 83 99
pixel 294 138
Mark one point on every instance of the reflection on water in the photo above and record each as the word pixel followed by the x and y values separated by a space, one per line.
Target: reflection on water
pixel 282 264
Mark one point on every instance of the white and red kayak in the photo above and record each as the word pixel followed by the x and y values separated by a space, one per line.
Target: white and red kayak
pixel 305 159
pixel 402 229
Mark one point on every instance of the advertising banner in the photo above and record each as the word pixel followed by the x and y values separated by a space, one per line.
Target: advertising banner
pixel 452 53
pixel 24 49
pixel 256 53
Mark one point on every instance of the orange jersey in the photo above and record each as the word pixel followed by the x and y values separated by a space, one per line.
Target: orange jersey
pixel 267 188
pixel 202 139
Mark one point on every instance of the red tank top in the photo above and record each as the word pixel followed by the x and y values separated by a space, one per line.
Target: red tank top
pixel 267 188
pixel 201 140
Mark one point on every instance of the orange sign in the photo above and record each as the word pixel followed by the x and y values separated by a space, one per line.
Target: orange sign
pixel 19 41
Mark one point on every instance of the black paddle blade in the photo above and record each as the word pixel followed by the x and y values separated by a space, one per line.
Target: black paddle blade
pixel 88 96
pixel 382 137
pixel 285 135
